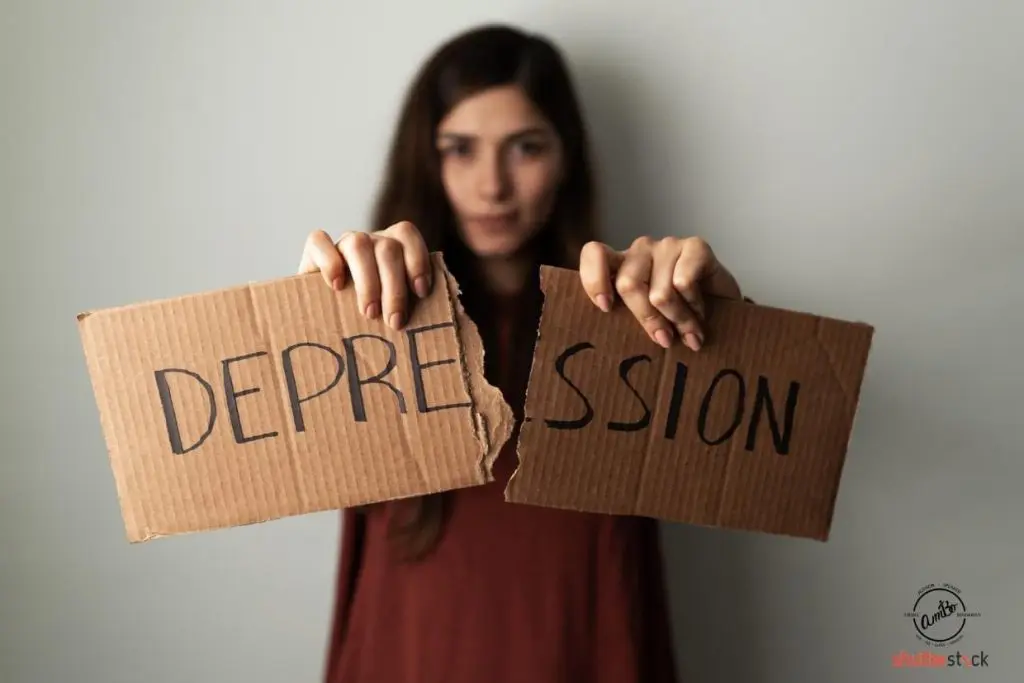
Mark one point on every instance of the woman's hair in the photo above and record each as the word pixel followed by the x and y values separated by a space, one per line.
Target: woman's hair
pixel 412 190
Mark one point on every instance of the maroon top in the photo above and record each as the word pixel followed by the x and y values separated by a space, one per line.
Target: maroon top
pixel 512 593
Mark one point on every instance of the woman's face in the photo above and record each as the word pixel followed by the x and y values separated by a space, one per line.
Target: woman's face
pixel 501 163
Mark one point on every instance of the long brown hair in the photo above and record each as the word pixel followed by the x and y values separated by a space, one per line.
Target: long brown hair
pixel 487 56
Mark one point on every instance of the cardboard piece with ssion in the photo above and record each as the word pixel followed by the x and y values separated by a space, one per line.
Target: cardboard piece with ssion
pixel 749 433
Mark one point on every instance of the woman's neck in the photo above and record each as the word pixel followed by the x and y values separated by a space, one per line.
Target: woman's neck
pixel 507 276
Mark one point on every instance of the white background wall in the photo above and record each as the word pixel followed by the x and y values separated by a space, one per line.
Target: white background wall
pixel 862 159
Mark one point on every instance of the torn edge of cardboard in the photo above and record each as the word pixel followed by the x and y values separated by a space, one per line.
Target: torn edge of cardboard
pixel 495 422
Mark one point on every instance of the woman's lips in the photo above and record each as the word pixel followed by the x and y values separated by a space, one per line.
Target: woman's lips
pixel 500 223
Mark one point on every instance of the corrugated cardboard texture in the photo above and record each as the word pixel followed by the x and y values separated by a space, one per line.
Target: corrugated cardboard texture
pixel 749 433
pixel 281 398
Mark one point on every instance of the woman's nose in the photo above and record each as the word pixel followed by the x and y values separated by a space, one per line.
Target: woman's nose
pixel 492 179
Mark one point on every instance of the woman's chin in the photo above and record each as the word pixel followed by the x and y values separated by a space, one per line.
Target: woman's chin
pixel 494 246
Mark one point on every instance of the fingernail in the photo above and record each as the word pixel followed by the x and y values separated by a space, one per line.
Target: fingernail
pixel 693 341
pixel 372 310
pixel 663 338
pixel 421 286
pixel 395 320
pixel 336 283
pixel 603 303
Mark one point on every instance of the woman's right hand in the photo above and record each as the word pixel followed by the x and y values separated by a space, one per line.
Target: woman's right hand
pixel 384 267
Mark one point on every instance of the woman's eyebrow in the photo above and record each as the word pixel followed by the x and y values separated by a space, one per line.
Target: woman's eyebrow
pixel 526 132
pixel 455 136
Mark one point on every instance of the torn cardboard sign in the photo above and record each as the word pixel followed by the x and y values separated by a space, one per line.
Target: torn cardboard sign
pixel 749 433
pixel 280 398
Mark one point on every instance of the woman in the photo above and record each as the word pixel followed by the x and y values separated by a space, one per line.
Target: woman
pixel 490 164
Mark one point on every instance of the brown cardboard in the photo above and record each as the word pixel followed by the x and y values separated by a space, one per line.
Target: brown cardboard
pixel 299 442
pixel 340 453
pixel 589 443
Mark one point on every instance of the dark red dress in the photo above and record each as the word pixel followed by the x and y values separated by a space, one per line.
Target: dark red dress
pixel 512 593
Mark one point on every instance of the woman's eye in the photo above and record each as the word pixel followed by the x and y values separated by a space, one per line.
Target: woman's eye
pixel 458 149
pixel 531 148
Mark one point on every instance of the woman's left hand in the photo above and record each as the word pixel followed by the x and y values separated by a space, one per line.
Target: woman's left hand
pixel 662 281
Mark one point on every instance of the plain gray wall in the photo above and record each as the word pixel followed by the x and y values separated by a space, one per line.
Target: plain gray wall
pixel 861 159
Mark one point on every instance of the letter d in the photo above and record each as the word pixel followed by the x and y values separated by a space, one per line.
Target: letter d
pixel 171 417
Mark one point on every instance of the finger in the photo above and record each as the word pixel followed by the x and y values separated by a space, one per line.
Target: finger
pixel 699 274
pixel 669 302
pixel 632 282
pixel 598 263
pixel 418 267
pixel 357 250
pixel 686 280
pixel 321 254
pixel 306 264
pixel 714 278
pixel 394 286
